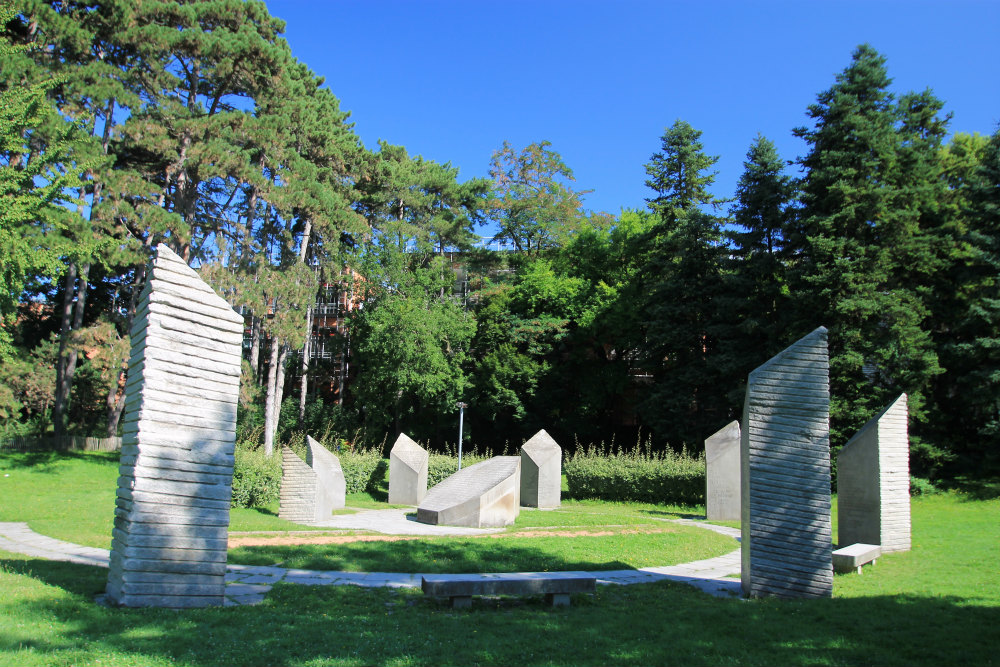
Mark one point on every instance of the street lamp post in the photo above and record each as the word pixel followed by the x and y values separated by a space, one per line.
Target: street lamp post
pixel 461 418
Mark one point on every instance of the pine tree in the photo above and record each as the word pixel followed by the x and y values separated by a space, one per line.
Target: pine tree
pixel 756 293
pixel 969 394
pixel 857 235
pixel 683 280
pixel 678 173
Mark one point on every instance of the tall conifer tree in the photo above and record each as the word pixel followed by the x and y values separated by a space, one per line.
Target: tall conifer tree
pixel 756 295
pixel 851 240
pixel 683 282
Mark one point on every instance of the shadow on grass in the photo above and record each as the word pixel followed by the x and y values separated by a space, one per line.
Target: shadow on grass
pixel 662 623
pixel 48 461
pixel 672 515
pixel 266 511
pixel 426 556
pixel 973 488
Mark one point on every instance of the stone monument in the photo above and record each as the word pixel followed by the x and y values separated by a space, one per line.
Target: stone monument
pixel 407 472
pixel 310 489
pixel 873 483
pixel 785 486
pixel 484 495
pixel 541 471
pixel 175 477
pixel 722 474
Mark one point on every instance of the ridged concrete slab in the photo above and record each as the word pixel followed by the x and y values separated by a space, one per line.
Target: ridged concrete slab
pixel 873 482
pixel 175 476
pixel 785 475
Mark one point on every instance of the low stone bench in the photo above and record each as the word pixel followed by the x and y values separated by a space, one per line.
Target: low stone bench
pixel 854 556
pixel 556 586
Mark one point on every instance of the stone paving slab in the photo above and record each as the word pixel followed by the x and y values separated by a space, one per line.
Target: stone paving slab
pixel 249 584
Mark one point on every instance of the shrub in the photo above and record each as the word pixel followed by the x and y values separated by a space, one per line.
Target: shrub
pixel 256 478
pixel 668 478
pixel 364 469
pixel 922 487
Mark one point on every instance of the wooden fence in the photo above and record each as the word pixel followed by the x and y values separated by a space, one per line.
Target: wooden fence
pixel 66 443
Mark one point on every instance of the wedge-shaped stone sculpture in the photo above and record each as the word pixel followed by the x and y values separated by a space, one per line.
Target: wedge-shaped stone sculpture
pixel 175 477
pixel 407 472
pixel 785 456
pixel 722 474
pixel 484 495
pixel 541 471
pixel 873 483
pixel 310 489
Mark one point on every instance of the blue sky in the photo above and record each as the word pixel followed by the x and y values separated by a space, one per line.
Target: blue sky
pixel 451 80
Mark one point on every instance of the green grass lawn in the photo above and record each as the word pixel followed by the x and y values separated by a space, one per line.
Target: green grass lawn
pixel 70 496
pixel 938 604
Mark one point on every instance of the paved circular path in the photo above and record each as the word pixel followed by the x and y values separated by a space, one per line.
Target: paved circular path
pixel 248 584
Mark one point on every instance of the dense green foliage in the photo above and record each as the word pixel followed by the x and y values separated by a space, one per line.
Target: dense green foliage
pixel 256 478
pixel 127 124
pixel 670 478
pixel 364 470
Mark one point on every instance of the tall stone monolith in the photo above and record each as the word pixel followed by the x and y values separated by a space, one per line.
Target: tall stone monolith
pixel 785 457
pixel 407 472
pixel 310 489
pixel 541 472
pixel 175 478
pixel 722 474
pixel 873 483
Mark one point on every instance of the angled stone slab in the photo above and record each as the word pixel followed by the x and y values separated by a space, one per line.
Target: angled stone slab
pixel 541 471
pixel 175 479
pixel 873 482
pixel 722 474
pixel 484 495
pixel 407 472
pixel 310 489
pixel 785 474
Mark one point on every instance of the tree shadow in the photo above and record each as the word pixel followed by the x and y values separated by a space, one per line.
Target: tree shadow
pixel 974 488
pixel 662 623
pixel 672 515
pixel 48 461
pixel 422 555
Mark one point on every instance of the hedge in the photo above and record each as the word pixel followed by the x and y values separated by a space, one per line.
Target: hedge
pixel 364 470
pixel 256 478
pixel 675 479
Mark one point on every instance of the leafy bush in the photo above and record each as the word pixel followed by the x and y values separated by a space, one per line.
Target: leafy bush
pixel 922 487
pixel 256 478
pixel 669 478
pixel 364 469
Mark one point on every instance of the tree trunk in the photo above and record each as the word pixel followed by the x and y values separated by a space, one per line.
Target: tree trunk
pixel 306 351
pixel 255 347
pixel 59 407
pixel 279 386
pixel 270 423
pixel 69 369
pixel 304 390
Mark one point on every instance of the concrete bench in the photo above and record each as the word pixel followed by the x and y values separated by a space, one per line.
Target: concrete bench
pixel 556 586
pixel 854 556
